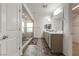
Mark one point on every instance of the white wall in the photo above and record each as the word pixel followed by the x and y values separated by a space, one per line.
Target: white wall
pixel 67 40
pixel 0 18
pixel 37 28
pixel 57 22
pixel 75 22
pixel 39 23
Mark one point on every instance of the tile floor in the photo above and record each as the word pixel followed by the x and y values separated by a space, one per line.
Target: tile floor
pixel 38 47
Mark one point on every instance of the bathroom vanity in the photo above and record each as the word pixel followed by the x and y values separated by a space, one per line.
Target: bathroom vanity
pixel 54 41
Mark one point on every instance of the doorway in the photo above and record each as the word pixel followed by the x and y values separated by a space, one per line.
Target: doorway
pixel 27 28
pixel 75 32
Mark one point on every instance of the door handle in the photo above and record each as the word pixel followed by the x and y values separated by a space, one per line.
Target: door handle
pixel 4 37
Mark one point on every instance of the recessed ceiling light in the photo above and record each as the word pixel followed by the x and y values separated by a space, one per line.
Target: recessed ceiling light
pixel 75 7
pixel 57 11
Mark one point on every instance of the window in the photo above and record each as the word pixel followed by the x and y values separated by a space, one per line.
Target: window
pixel 57 11
pixel 29 27
pixel 23 27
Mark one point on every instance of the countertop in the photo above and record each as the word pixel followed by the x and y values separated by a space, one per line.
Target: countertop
pixel 54 32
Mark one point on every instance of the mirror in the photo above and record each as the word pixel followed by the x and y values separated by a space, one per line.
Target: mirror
pixel 27 26
pixel 57 20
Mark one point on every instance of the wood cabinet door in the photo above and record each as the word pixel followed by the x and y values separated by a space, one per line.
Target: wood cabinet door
pixel 12 29
pixel 57 43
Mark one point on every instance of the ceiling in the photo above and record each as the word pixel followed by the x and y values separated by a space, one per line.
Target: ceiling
pixel 25 14
pixel 38 11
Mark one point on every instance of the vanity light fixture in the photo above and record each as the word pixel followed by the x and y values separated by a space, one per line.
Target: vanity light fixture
pixel 57 11
pixel 75 7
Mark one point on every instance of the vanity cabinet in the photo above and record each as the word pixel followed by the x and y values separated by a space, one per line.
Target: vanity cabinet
pixel 57 43
pixel 54 41
pixel 46 36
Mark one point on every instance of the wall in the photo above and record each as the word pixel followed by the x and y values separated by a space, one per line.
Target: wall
pixel 37 28
pixel 0 18
pixel 67 40
pixel 75 27
pixel 26 34
pixel 75 32
pixel 57 22
pixel 39 23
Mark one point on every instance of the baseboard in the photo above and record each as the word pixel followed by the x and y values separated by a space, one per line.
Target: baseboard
pixel 62 54
pixel 59 54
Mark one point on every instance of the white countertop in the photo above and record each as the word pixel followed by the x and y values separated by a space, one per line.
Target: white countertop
pixel 54 32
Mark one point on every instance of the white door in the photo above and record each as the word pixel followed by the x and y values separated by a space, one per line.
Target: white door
pixel 3 36
pixel 10 25
pixel 12 29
